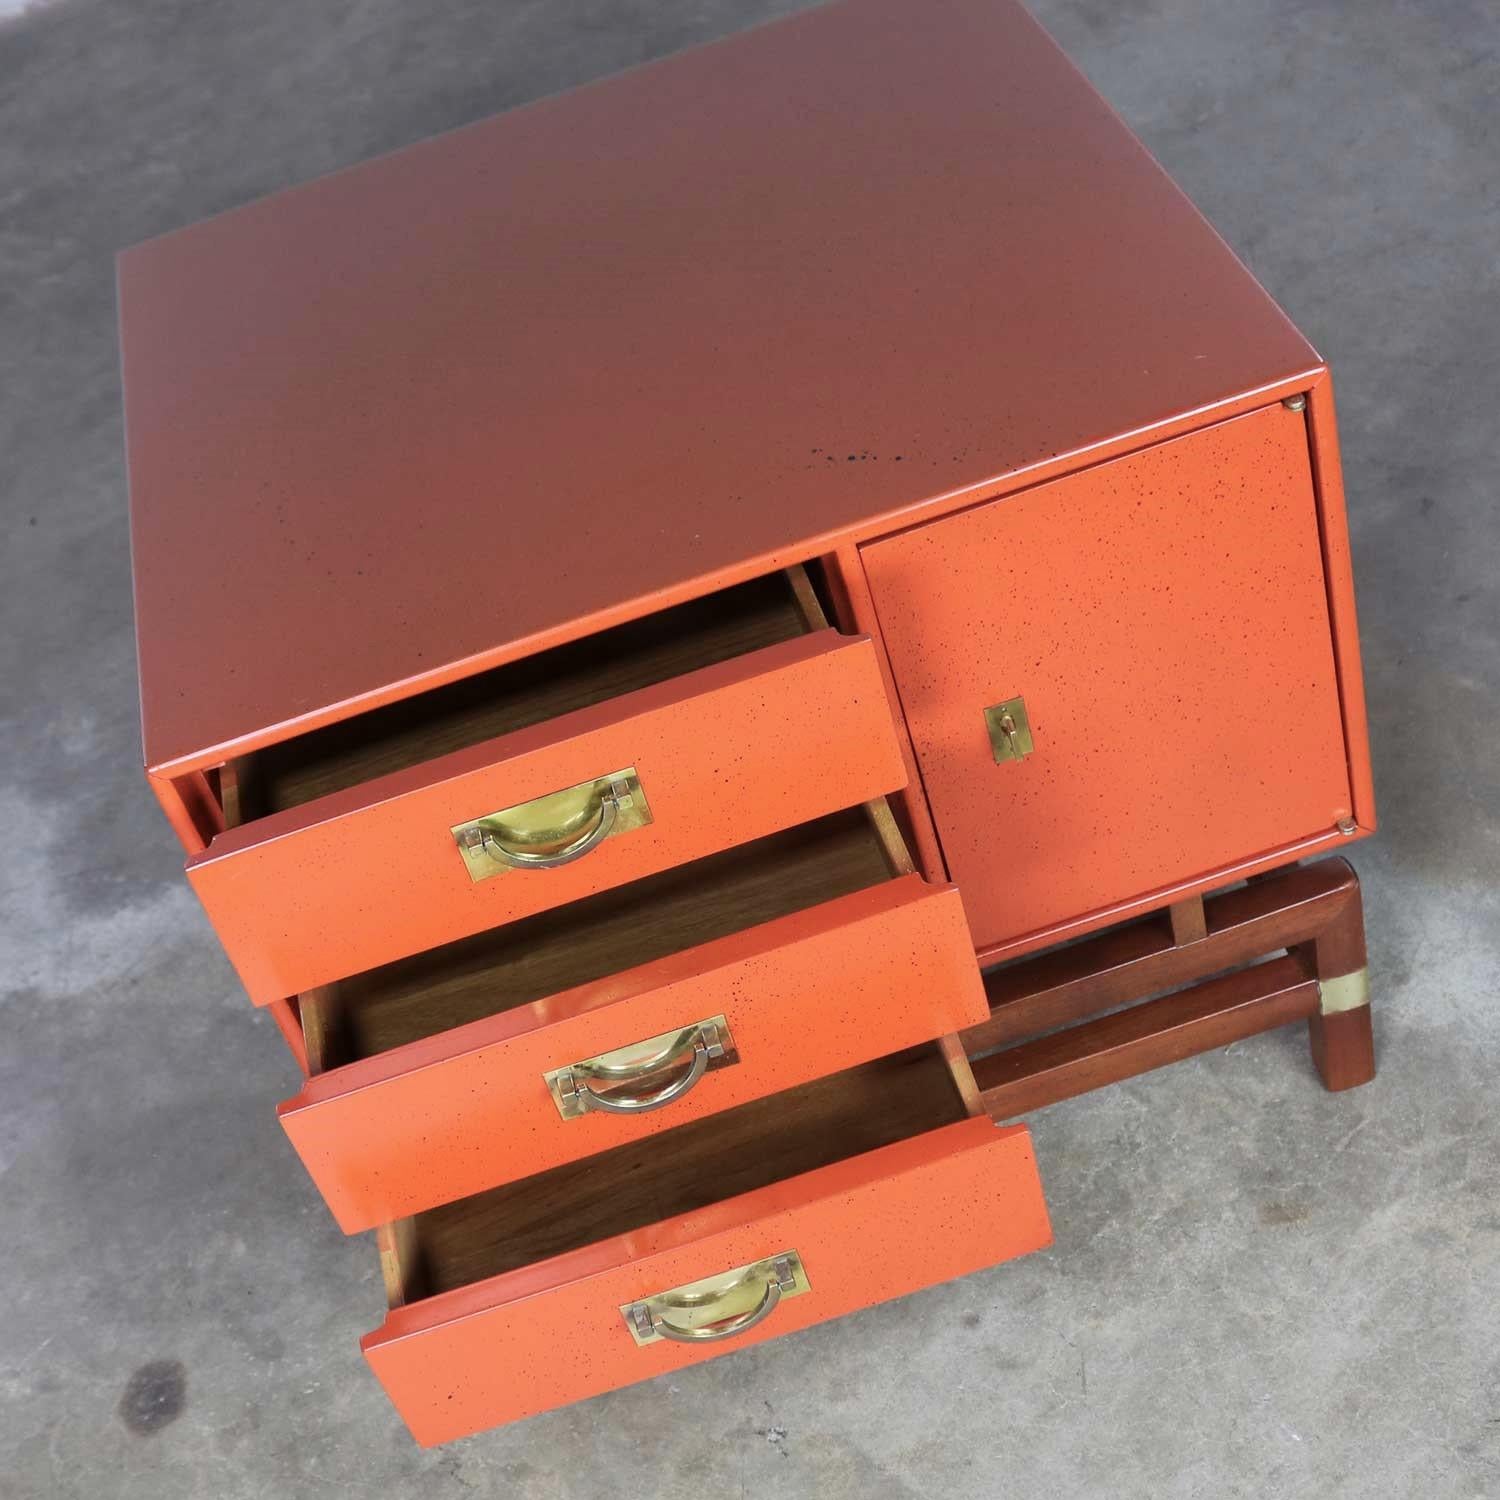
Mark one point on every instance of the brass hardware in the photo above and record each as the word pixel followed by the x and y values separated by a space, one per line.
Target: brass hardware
pixel 1009 730
pixel 1347 826
pixel 718 1307
pixel 1295 403
pixel 701 1044
pixel 554 829
pixel 1347 992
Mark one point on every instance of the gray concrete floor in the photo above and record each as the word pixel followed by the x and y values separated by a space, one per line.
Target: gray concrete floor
pixel 1257 1288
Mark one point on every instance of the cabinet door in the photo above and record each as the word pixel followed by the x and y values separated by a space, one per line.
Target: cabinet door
pixel 1164 619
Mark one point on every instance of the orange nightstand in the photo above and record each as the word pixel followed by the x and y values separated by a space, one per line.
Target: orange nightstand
pixel 661 617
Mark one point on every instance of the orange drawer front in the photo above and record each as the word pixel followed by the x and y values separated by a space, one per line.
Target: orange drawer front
pixel 851 979
pixel 875 1226
pixel 727 753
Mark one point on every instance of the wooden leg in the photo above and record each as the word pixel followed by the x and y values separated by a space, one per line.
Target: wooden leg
pixel 1343 1048
pixel 1341 1034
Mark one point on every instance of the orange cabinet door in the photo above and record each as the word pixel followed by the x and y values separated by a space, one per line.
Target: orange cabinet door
pixel 874 1226
pixel 807 994
pixel 1164 620
pixel 724 754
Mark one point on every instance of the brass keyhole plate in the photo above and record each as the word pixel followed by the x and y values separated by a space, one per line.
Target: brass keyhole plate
pixel 1009 730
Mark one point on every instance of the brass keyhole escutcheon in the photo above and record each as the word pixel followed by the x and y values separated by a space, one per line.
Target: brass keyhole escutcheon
pixel 1009 730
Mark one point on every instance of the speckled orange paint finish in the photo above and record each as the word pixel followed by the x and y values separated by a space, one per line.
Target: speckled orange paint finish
pixel 876 1226
pixel 806 995
pixel 482 350
pixel 726 754
pixel 1165 618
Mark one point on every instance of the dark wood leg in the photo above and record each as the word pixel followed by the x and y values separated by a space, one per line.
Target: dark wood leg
pixel 1341 1034
pixel 1343 1048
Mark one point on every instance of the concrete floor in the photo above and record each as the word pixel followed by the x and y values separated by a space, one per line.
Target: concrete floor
pixel 1257 1288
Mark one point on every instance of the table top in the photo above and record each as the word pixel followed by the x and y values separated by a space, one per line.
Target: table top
pixel 628 343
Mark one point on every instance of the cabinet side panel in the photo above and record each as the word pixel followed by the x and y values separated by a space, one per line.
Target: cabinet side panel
pixel 1338 560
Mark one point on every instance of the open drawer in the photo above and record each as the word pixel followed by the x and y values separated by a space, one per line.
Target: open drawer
pixel 756 1222
pixel 535 784
pixel 623 1015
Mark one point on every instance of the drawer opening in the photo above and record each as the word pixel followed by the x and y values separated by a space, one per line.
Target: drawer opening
pixel 637 654
pixel 675 1173
pixel 556 950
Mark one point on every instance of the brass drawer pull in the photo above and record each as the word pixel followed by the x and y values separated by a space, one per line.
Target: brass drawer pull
pixel 702 1043
pixel 518 859
pixel 715 1308
pixel 554 829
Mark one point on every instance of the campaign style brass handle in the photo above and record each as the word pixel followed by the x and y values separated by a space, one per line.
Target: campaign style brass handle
pixel 639 1104
pixel 519 859
pixel 696 1306
pixel 553 829
pixel 701 1043
pixel 725 1328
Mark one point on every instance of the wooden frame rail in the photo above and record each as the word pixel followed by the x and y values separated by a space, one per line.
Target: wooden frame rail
pixel 1082 1016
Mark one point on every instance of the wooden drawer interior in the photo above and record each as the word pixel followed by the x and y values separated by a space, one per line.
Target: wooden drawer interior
pixel 655 648
pixel 543 955
pixel 675 1173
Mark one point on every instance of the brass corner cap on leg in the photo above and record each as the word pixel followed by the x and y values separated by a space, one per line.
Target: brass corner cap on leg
pixel 1347 992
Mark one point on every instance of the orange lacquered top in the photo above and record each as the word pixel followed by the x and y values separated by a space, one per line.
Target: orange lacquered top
pixel 632 342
